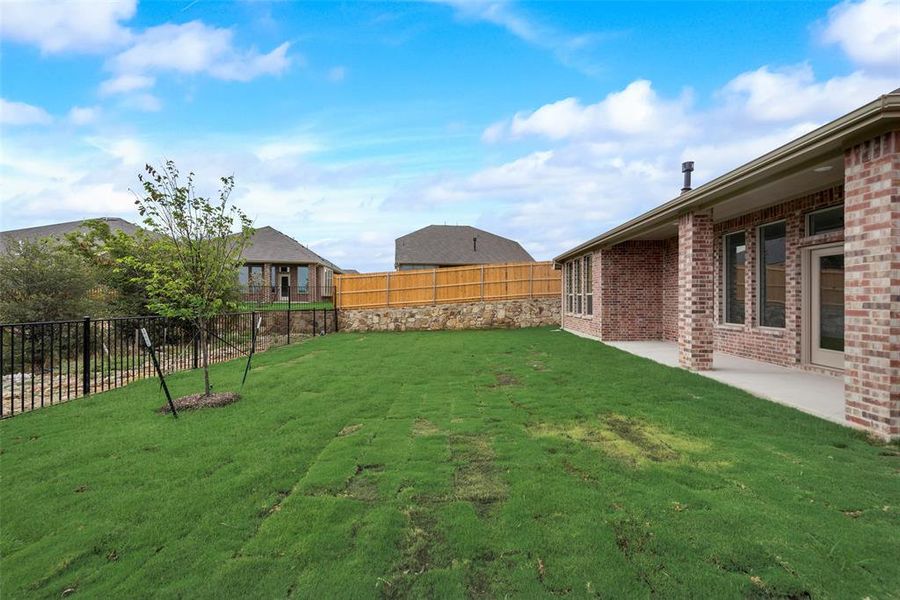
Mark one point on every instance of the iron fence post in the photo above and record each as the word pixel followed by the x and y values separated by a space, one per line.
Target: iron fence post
pixel 336 326
pixel 86 357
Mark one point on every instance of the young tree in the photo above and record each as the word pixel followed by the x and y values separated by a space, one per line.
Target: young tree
pixel 41 280
pixel 106 250
pixel 190 265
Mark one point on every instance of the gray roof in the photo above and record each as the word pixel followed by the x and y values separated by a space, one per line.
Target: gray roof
pixel 59 230
pixel 268 245
pixel 454 245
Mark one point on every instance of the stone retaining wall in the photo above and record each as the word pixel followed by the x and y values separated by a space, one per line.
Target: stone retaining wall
pixel 505 314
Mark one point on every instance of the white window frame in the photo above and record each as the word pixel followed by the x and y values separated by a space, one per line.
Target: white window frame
pixel 588 273
pixel 579 286
pixel 760 308
pixel 570 297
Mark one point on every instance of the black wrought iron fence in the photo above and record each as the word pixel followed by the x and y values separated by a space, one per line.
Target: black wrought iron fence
pixel 47 363
pixel 286 297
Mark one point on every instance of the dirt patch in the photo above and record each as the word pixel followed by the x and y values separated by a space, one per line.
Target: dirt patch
pixel 363 486
pixel 628 439
pixel 504 380
pixel 349 429
pixel 196 401
pixel 476 479
pixel 423 427
pixel 416 553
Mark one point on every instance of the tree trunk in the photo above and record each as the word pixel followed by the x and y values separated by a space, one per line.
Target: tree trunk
pixel 204 346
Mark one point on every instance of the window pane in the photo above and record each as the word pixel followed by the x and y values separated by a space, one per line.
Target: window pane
pixel 256 275
pixel 831 302
pixel 831 219
pixel 771 275
pixel 588 275
pixel 302 279
pixel 588 286
pixel 577 277
pixel 243 277
pixel 735 255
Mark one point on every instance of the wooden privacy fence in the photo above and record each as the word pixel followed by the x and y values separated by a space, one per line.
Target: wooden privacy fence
pixel 475 283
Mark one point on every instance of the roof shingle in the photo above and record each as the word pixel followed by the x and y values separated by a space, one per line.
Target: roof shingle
pixel 456 245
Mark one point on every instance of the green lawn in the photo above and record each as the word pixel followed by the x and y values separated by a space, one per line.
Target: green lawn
pixel 247 306
pixel 521 464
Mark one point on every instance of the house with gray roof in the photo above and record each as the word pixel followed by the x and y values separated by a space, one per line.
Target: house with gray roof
pixel 59 231
pixel 455 246
pixel 279 268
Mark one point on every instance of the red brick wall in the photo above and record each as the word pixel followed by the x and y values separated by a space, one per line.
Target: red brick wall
pixel 669 286
pixel 776 345
pixel 695 291
pixel 631 291
pixel 872 284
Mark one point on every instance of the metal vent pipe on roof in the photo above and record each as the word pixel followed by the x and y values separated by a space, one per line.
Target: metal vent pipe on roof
pixel 687 168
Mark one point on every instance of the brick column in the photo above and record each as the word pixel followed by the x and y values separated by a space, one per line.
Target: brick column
pixel 872 285
pixel 695 291
pixel 315 295
pixel 267 282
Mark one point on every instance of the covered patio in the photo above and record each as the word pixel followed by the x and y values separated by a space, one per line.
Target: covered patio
pixel 813 393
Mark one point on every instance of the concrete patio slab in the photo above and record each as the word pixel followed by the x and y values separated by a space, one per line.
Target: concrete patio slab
pixel 817 394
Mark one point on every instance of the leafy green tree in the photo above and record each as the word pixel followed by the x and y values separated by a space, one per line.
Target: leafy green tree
pixel 42 280
pixel 190 263
pixel 106 250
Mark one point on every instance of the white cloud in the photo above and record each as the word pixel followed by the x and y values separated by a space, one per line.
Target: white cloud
pixel 142 102
pixel 67 26
pixel 83 115
pixel 126 83
pixel 127 151
pixel 192 48
pixel 337 74
pixel 19 113
pixel 634 111
pixel 569 49
pixel 794 93
pixel 868 32
pixel 277 149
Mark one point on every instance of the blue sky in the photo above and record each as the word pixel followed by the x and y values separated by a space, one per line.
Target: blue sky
pixel 347 125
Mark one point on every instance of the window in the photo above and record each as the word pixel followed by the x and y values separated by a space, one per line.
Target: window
pixel 302 279
pixel 578 285
pixel 825 220
pixel 256 275
pixel 250 275
pixel 588 286
pixel 735 256
pixel 570 299
pixel 771 275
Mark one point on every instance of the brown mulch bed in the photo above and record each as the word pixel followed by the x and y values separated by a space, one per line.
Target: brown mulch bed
pixel 195 401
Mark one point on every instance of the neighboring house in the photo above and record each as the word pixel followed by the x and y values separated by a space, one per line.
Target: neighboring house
pixel 792 258
pixel 60 230
pixel 278 267
pixel 454 246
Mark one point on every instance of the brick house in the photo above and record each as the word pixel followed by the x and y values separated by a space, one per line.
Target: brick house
pixel 277 268
pixel 792 259
pixel 437 246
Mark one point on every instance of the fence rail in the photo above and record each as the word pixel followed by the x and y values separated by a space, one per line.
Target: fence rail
pixel 476 283
pixel 47 363
pixel 272 297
